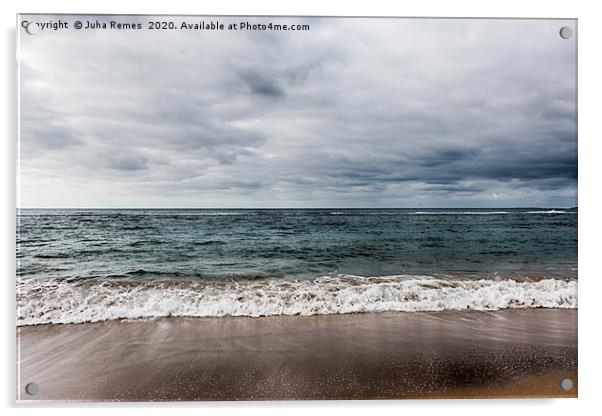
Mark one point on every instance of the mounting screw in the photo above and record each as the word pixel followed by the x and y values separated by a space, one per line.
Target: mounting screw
pixel 566 32
pixel 566 384
pixel 32 389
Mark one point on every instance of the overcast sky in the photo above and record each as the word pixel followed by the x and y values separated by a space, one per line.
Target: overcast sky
pixel 352 113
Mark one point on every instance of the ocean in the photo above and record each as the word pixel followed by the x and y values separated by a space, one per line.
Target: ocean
pixel 88 265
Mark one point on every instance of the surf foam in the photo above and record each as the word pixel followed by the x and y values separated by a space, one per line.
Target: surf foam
pixel 61 301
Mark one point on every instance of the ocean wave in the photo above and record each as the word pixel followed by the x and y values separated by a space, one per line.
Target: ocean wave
pixel 423 213
pixel 461 212
pixel 62 301
pixel 551 211
pixel 212 214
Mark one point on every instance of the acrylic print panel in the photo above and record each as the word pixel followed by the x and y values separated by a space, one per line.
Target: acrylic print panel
pixel 275 208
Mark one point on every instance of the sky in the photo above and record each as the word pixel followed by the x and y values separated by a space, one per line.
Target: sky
pixel 351 113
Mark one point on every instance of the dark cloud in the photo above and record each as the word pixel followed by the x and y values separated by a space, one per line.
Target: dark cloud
pixel 354 112
pixel 129 163
pixel 261 85
pixel 454 188
pixel 446 156
pixel 55 138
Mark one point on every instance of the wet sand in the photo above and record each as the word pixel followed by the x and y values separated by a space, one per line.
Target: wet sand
pixel 510 353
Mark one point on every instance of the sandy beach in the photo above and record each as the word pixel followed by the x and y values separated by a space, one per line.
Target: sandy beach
pixel 520 353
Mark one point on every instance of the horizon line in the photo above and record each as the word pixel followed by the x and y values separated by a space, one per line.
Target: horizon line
pixel 255 208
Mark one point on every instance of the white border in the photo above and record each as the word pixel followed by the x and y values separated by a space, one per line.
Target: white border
pixel 590 290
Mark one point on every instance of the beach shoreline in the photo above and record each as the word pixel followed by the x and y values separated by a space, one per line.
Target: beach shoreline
pixel 390 355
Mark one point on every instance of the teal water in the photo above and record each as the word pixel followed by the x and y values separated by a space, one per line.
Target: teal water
pixel 295 243
pixel 93 265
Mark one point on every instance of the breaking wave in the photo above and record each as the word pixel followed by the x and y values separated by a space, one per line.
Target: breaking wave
pixel 64 301
pixel 551 211
pixel 461 212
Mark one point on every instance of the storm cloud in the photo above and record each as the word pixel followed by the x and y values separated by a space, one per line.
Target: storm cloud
pixel 351 113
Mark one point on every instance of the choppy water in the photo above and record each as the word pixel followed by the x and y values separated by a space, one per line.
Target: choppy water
pixel 88 265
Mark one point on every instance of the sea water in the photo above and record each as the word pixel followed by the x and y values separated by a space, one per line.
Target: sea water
pixel 81 265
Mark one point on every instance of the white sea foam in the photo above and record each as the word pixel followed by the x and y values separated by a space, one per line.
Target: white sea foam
pixel 60 301
pixel 460 212
pixel 551 211
pixel 199 214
